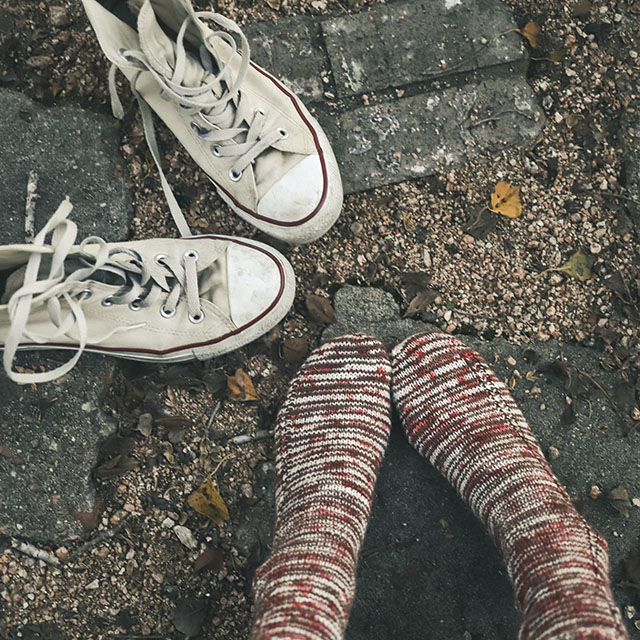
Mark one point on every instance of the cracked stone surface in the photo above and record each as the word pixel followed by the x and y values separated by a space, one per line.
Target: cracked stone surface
pixel 49 433
pixel 423 543
pixel 413 128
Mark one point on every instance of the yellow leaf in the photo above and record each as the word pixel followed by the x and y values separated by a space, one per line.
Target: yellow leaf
pixel 207 501
pixel 530 31
pixel 506 200
pixel 241 388
pixel 576 267
pixel 556 55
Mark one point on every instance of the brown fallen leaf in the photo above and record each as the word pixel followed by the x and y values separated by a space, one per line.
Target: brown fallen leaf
pixel 619 500
pixel 320 309
pixel 530 31
pixel 505 200
pixel 207 501
pixel 295 349
pixel 116 466
pixel 274 4
pixel 88 519
pixel 420 302
pixel 241 387
pixel 210 559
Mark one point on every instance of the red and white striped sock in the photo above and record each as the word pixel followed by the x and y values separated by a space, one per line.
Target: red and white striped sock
pixel 330 437
pixel 460 417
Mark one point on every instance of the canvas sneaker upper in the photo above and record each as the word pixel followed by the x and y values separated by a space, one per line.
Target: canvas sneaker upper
pixel 158 300
pixel 265 154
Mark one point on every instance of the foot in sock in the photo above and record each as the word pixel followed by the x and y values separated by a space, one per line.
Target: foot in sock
pixel 330 436
pixel 460 417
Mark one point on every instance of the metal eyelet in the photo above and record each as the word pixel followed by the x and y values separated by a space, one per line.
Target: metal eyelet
pixel 260 111
pixel 234 176
pixel 85 294
pixel 107 302
pixel 283 133
pixel 215 149
pixel 197 128
pixel 159 259
pixel 167 313
pixel 126 58
pixel 197 319
pixel 192 253
pixel 135 305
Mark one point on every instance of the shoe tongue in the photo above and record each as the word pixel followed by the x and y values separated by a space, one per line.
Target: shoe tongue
pixel 160 50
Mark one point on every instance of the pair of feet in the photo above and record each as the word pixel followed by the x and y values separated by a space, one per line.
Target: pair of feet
pixel 330 438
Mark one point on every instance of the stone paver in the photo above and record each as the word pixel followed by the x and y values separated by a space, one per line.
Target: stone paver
pixel 402 43
pixel 426 563
pixel 335 64
pixel 49 434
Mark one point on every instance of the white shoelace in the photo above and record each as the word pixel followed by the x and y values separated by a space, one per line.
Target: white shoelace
pixel 227 116
pixel 64 291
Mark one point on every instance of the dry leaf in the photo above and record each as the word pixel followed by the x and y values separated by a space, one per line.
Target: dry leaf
pixel 210 558
pixel 241 388
pixel 576 266
pixel 408 222
pixel 619 500
pixel 320 309
pixel 88 519
pixel 116 466
pixel 556 55
pixel 420 302
pixel 506 200
pixel 530 31
pixel 274 4
pixel 295 349
pixel 207 501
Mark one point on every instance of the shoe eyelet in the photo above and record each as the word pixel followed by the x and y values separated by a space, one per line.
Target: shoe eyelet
pixel 122 53
pixel 85 294
pixel 197 319
pixel 135 305
pixel 167 313
pixel 200 131
pixel 192 253
pixel 283 133
pixel 107 302
pixel 235 176
pixel 159 259
pixel 260 111
pixel 215 149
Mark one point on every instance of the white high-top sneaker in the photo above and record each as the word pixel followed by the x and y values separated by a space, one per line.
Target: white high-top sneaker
pixel 162 300
pixel 265 154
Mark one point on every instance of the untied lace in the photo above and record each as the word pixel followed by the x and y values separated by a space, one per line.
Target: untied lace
pixel 215 112
pixel 64 294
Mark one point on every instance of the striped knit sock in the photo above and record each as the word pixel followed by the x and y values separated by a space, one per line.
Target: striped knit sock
pixel 330 436
pixel 460 417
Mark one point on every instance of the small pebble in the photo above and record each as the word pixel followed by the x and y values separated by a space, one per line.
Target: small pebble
pixel 553 453
pixel 595 492
pixel 356 228
pixel 93 585
pixel 186 537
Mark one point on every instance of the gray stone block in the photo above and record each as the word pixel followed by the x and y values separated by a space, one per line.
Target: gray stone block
pixel 401 43
pixel 75 153
pixel 421 135
pixel 426 563
pixel 291 50
pixel 49 433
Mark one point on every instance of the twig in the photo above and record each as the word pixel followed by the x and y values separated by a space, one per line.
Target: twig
pixel 34 552
pixel 250 437
pixel 30 208
pixel 214 413
pixel 101 537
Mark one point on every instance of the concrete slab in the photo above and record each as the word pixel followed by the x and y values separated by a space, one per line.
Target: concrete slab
pixel 49 434
pixel 397 44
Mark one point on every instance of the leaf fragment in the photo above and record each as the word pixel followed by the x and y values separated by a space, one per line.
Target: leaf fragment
pixel 530 31
pixel 320 309
pixel 241 387
pixel 576 266
pixel 295 349
pixel 505 200
pixel 207 501
pixel 210 559
pixel 88 519
pixel 619 500
pixel 556 55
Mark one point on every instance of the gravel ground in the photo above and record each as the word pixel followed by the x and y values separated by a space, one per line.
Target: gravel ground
pixel 131 575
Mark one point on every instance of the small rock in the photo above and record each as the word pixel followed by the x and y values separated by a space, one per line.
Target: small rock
pixel 553 453
pixel 62 553
pixel 595 248
pixel 468 239
pixel 93 585
pixel 39 62
pixel 145 424
pixel 356 228
pixel 168 523
pixel 595 492
pixel 186 537
pixel 58 17
pixel 447 315
pixel 512 361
